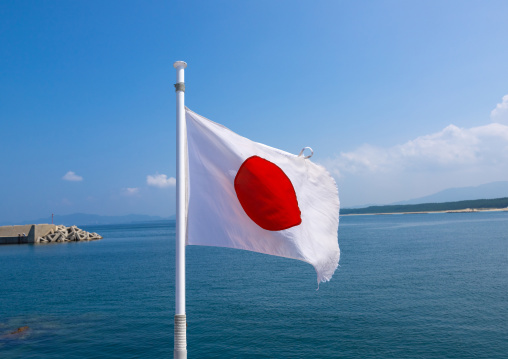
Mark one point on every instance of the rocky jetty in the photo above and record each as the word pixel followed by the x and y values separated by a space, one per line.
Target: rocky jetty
pixel 68 234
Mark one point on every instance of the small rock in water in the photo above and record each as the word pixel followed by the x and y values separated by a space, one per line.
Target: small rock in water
pixel 20 330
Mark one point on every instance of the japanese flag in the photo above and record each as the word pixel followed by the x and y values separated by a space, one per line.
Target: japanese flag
pixel 246 195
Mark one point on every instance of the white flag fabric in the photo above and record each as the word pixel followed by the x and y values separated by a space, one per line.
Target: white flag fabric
pixel 246 195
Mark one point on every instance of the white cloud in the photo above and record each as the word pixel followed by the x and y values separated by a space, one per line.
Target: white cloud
pixel 66 202
pixel 71 176
pixel 448 149
pixel 130 191
pixel 160 180
pixel 453 157
pixel 500 113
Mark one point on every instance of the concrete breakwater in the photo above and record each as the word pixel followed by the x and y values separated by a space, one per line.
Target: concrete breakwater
pixel 44 233
pixel 68 234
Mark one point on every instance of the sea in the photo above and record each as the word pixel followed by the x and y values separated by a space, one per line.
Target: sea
pixel 408 286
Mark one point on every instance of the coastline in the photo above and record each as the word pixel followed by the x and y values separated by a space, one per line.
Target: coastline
pixel 467 210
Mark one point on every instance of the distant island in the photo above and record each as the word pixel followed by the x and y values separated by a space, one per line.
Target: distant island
pixel 490 190
pixel 497 204
pixel 477 205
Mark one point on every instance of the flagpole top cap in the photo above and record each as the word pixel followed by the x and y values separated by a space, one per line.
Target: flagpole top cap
pixel 178 64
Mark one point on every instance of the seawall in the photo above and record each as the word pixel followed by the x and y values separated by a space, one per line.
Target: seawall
pixel 9 234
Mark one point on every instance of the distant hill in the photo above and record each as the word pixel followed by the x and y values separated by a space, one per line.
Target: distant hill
pixel 88 219
pixel 485 191
pixel 430 207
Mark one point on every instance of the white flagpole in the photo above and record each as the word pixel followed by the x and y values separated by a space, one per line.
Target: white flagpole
pixel 180 351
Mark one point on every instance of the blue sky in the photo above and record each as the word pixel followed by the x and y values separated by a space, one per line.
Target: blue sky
pixel 398 99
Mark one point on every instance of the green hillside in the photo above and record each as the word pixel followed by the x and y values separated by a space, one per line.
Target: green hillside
pixel 430 207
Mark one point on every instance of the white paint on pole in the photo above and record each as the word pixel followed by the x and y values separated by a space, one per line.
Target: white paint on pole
pixel 180 351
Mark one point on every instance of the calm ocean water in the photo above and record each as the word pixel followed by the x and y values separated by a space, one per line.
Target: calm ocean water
pixel 408 286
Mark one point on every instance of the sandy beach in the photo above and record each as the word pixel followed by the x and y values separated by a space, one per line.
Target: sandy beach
pixel 466 210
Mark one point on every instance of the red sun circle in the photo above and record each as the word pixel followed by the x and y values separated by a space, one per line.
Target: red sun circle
pixel 267 195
